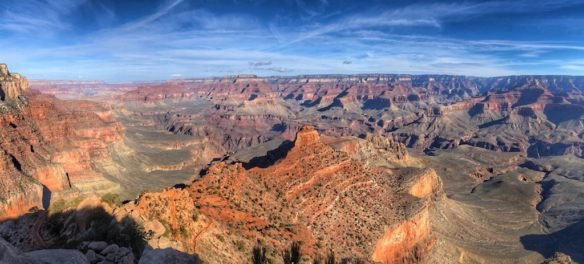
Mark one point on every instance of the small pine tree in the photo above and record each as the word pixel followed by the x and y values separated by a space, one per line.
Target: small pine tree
pixel 316 260
pixel 330 258
pixel 293 255
pixel 259 255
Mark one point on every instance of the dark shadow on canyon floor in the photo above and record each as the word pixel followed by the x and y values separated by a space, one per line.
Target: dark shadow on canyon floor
pixel 46 197
pixel 75 229
pixel 271 156
pixel 569 240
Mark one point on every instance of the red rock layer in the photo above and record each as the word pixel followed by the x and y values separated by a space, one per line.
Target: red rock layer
pixel 424 112
pixel 314 194
pixel 51 144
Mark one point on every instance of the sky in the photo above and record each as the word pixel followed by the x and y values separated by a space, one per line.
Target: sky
pixel 143 40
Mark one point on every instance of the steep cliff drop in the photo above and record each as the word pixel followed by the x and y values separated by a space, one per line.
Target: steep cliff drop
pixel 48 146
pixel 18 191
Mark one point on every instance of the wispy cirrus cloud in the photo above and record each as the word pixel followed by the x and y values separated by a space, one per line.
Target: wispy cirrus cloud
pixel 164 9
pixel 37 16
pixel 179 37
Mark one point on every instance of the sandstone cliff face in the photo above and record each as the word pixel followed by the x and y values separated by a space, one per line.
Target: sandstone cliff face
pixel 23 157
pixel 18 192
pixel 11 84
pixel 406 243
pixel 47 145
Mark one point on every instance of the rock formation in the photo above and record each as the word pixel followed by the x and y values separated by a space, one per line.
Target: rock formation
pixel 424 112
pixel 13 255
pixel 345 183
pixel 314 194
pixel 11 84
pixel 48 146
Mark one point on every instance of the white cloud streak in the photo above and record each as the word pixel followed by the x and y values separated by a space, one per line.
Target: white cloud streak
pixel 196 42
pixel 37 16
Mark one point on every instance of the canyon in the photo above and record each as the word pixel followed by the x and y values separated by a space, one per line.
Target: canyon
pixel 377 168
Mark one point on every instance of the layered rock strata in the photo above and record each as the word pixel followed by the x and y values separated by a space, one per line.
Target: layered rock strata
pixel 313 194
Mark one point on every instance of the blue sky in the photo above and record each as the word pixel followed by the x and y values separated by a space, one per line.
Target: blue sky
pixel 118 40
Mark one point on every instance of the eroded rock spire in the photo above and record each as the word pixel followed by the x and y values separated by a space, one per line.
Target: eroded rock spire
pixel 11 84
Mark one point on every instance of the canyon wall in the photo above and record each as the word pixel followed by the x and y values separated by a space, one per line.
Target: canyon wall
pixel 48 145
pixel 422 111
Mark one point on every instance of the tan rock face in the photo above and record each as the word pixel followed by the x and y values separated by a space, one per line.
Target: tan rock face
pixel 53 177
pixel 11 84
pixel 306 136
pixel 3 70
pixel 405 243
pixel 426 184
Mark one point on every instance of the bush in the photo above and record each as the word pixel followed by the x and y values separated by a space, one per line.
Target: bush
pixel 111 198
pixel 240 245
pixel 220 237
pixel 183 231
pixel 58 206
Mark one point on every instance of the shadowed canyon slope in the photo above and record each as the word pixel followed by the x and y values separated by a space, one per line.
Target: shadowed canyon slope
pixel 390 169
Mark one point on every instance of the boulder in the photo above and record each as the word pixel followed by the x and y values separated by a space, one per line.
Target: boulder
pixel 111 249
pixel 167 255
pixel 58 256
pixel 10 254
pixel 97 246
pixel 91 256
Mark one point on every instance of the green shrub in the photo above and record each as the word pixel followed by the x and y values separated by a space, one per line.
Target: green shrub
pixel 111 198
pixel 220 237
pixel 240 245
pixel 58 206
pixel 183 231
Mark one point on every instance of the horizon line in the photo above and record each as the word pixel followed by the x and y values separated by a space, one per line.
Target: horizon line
pixel 255 76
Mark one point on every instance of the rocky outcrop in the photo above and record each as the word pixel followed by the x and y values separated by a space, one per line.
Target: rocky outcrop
pixel 425 184
pixel 167 256
pixel 313 193
pixel 559 258
pixel 10 254
pixel 407 242
pixel 48 146
pixel 100 251
pixel 12 85
pixel 306 137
